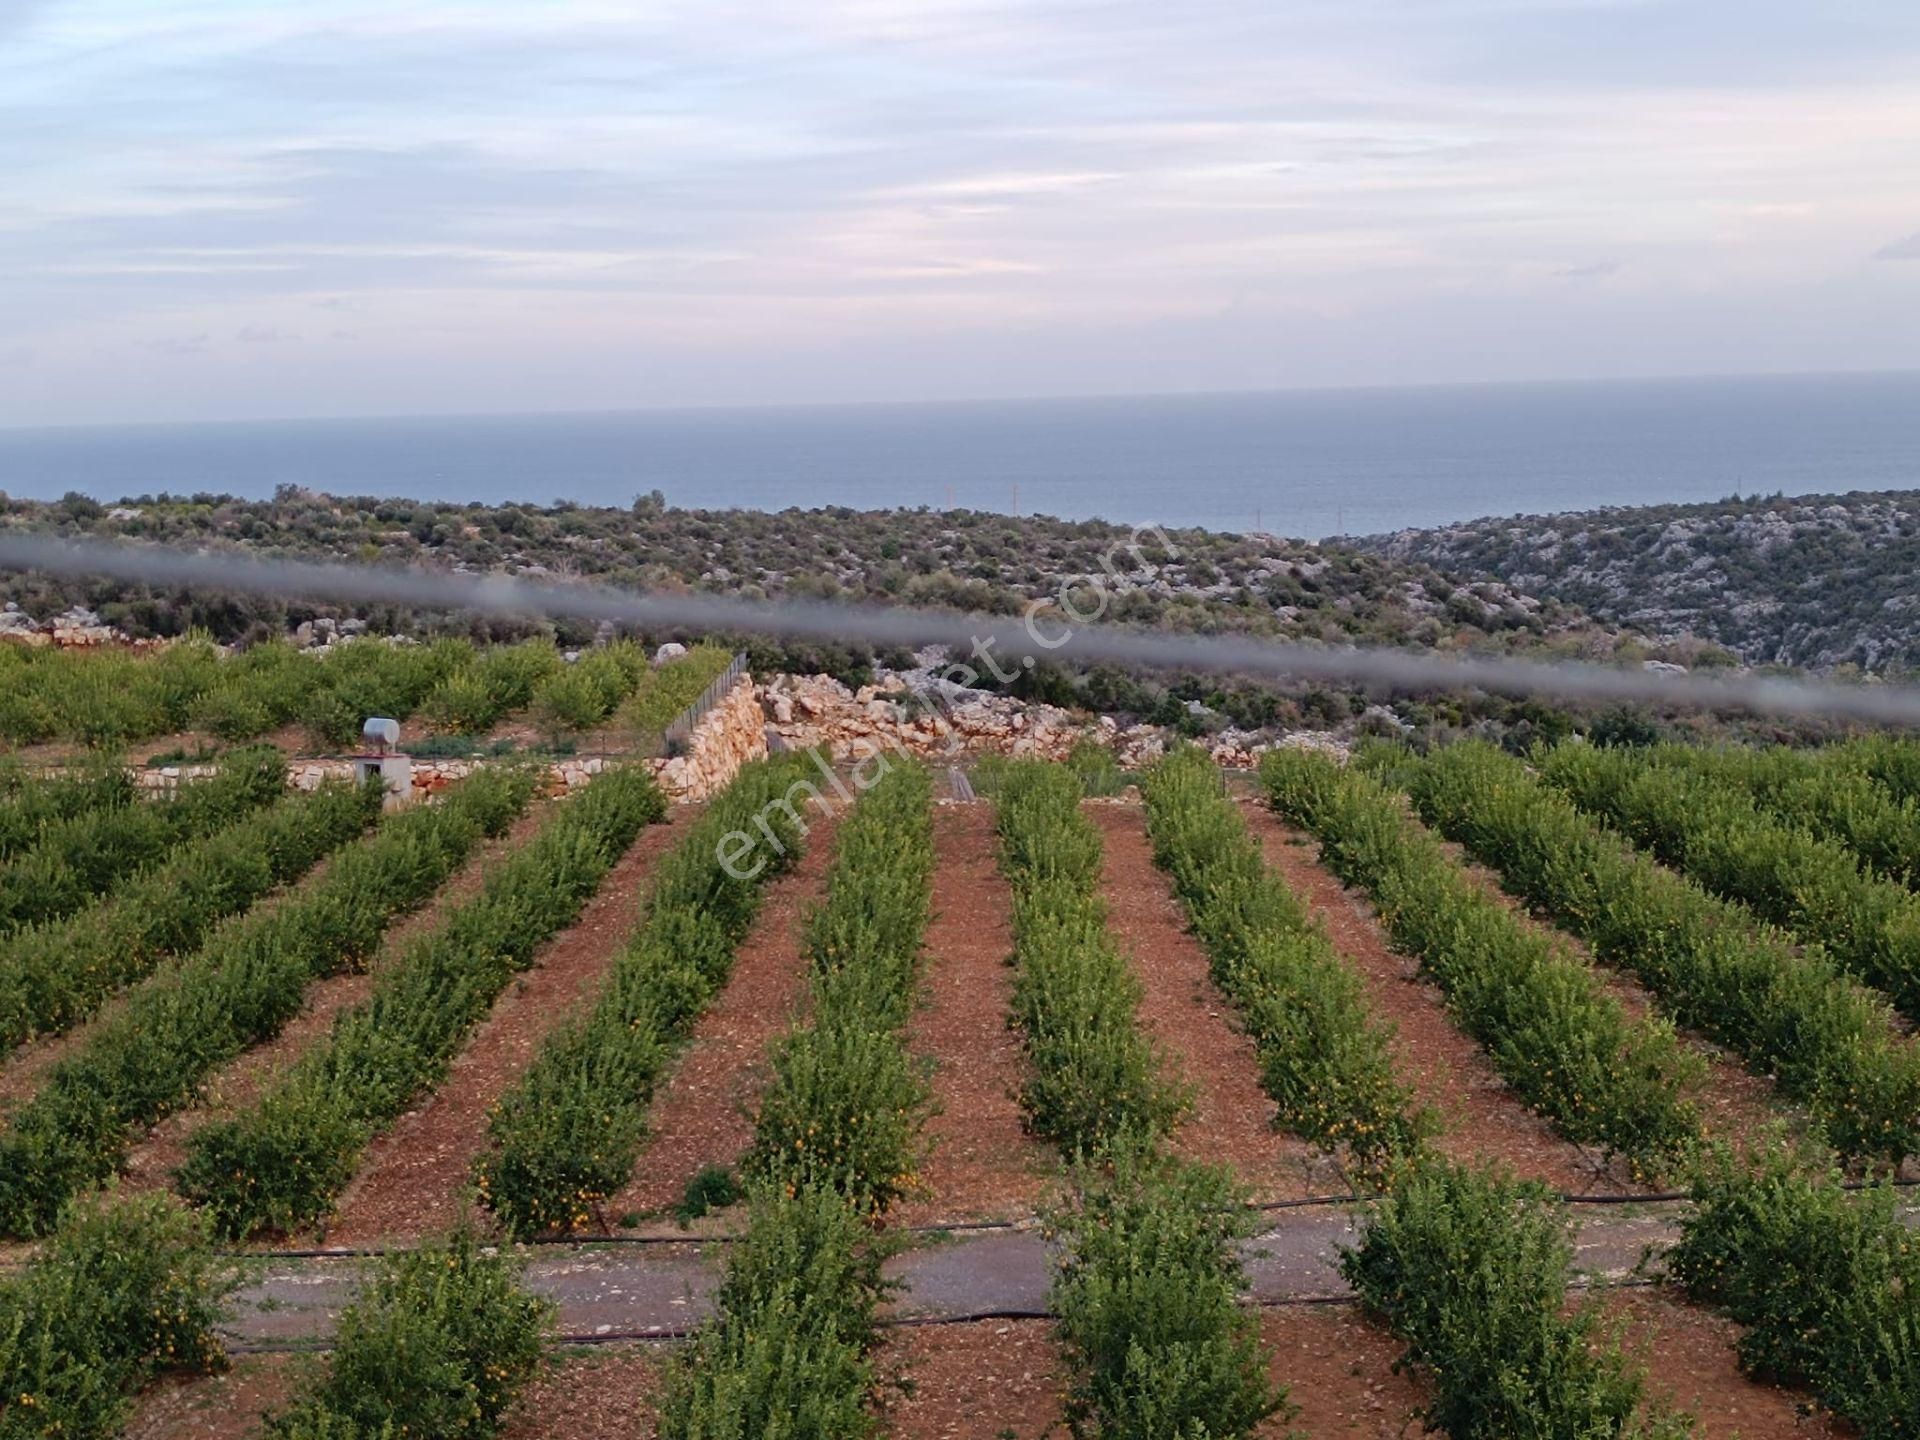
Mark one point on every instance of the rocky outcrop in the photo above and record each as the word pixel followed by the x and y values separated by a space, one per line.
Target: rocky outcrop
pixel 939 722
pixel 75 629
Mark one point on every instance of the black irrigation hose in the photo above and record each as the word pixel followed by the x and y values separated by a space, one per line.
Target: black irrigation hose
pixel 665 1335
pixel 980 1227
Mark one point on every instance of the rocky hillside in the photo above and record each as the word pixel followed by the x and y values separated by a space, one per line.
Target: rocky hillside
pixel 1177 580
pixel 1821 581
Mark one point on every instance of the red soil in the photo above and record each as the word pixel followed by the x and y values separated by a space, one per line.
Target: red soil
pixel 990 1378
pixel 414 1178
pixel 606 1393
pixel 1232 1119
pixel 1447 1070
pixel 1337 1366
pixel 228 1406
pixel 1691 1365
pixel 231 1089
pixel 982 1163
pixel 704 1114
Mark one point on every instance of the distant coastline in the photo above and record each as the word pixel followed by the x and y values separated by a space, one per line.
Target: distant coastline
pixel 1302 463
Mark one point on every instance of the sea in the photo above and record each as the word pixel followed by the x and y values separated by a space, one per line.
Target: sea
pixel 1308 463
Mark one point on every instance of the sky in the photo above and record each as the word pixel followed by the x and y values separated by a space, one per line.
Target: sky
pixel 212 209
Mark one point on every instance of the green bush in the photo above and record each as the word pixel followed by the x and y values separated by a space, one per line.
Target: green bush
pixel 106 697
pixel 372 678
pixel 664 692
pixel 787 1355
pixel 1713 830
pixel 91 854
pixel 122 1290
pixel 583 694
pixel 280 1164
pixel 56 975
pixel 1822 790
pixel 1147 1293
pixel 713 1187
pixel 1549 1025
pixel 1789 1012
pixel 565 1137
pixel 29 803
pixel 1324 1060
pixel 1094 1077
pixel 438 1345
pixel 1470 1269
pixel 257 691
pixel 503 679
pixel 238 990
pixel 1827 1282
pixel 846 1101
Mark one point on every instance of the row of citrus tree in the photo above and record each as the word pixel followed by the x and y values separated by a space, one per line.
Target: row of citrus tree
pixel 1470 1268
pixel 1712 829
pixel 1146 1291
pixel 114 697
pixel 1550 1026
pixel 1825 1276
pixel 239 988
pixel 837 1139
pixel 279 1164
pixel 1788 1011
pixel 57 973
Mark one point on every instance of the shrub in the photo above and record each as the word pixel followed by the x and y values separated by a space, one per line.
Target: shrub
pixel 1714 832
pixel 122 1290
pixel 474 697
pixel 90 854
pixel 1550 1027
pixel 1788 1012
pixel 30 803
pixel 1827 1282
pixel 565 1137
pixel 1094 1076
pixel 583 694
pixel 1323 1059
pixel 236 991
pixel 57 975
pixel 279 1164
pixel 787 1353
pixel 713 1187
pixel 665 691
pixel 1147 1293
pixel 1821 790
pixel 846 1100
pixel 1470 1269
pixel 438 1345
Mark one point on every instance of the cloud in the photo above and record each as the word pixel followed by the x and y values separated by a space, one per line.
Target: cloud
pixel 17 15
pixel 586 181
pixel 1907 249
pixel 176 344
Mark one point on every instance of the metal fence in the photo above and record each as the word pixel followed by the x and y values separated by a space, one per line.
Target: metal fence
pixel 681 730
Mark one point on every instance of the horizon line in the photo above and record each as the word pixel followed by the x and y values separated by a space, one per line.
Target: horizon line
pixel 959 402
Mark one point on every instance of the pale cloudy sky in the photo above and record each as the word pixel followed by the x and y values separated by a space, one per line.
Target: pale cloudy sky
pixel 242 208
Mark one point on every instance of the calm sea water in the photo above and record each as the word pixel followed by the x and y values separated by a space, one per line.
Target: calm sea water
pixel 1300 463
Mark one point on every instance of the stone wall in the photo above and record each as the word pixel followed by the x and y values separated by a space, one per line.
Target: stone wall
pixel 727 737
